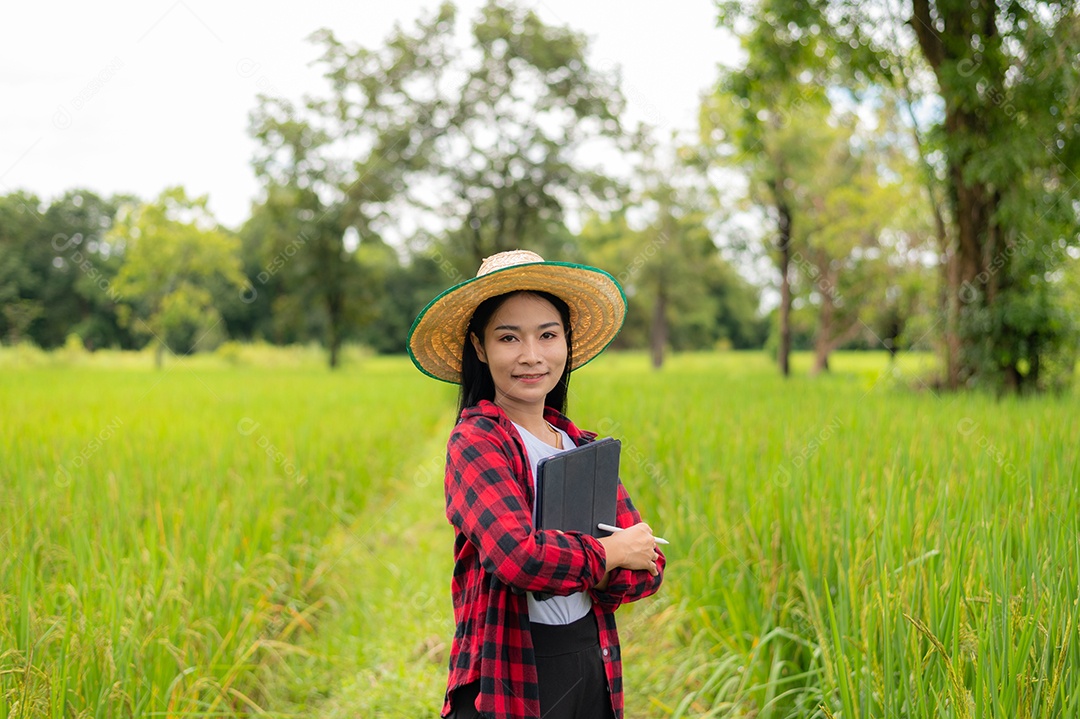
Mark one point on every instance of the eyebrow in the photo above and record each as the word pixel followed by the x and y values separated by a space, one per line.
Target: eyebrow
pixel 515 328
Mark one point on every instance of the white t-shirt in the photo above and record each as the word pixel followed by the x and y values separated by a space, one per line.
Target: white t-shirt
pixel 556 610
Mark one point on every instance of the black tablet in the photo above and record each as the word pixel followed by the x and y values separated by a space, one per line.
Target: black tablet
pixel 579 488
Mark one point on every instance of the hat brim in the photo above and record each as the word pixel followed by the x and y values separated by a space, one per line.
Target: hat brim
pixel 597 312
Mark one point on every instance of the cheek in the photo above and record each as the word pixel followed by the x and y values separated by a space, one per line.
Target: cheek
pixel 559 356
pixel 498 354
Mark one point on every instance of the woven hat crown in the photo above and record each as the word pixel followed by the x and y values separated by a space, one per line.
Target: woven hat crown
pixel 506 259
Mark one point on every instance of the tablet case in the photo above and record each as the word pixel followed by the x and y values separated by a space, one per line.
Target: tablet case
pixel 579 488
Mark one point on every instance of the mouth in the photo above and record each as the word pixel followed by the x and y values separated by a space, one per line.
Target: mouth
pixel 530 377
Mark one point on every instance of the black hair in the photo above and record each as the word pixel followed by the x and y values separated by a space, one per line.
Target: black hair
pixel 476 381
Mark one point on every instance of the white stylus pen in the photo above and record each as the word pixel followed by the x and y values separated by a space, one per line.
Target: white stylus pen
pixel 609 528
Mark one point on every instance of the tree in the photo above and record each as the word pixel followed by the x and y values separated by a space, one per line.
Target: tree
pixel 681 293
pixel 669 267
pixel 309 215
pixel 334 170
pixel 998 69
pixel 509 150
pixel 80 295
pixel 860 219
pixel 21 272
pixel 56 270
pixel 752 123
pixel 1002 155
pixel 176 261
pixel 463 154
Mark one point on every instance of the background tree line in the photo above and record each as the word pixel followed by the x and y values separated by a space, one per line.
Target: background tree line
pixel 882 175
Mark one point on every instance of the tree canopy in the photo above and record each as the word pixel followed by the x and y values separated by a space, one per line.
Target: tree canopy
pixel 871 175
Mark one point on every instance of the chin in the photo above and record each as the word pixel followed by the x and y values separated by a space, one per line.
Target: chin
pixel 529 394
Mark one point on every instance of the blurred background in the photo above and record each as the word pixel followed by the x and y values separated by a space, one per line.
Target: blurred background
pixel 831 176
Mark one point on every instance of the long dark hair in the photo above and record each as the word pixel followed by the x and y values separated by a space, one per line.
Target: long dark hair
pixel 476 381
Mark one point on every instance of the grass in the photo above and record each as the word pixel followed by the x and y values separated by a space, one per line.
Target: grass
pixel 248 533
pixel 851 549
pixel 167 534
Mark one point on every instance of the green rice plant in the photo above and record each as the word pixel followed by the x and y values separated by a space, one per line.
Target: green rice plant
pixel 164 541
pixel 847 545
pixel 249 534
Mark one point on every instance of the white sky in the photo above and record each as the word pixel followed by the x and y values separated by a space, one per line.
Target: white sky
pixel 125 96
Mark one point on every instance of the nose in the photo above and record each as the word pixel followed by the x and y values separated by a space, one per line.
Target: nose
pixel 530 351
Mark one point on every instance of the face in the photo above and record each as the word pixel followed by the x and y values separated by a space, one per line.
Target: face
pixel 524 347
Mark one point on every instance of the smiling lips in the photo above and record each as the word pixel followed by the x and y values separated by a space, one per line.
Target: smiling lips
pixel 530 377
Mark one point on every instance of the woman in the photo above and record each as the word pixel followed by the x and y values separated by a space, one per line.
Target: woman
pixel 535 609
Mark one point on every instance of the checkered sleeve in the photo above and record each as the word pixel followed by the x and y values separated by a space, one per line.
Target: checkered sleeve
pixel 486 501
pixel 627 585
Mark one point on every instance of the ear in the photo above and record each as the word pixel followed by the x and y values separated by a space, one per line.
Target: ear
pixel 480 354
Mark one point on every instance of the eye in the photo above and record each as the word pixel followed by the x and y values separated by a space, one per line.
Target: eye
pixel 507 338
pixel 549 335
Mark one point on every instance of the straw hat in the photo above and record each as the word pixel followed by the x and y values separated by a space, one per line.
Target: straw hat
pixel 597 309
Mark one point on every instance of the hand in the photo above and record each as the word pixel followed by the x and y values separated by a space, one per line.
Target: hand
pixel 632 548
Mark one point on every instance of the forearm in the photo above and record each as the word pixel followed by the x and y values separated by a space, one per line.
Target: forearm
pixel 621 585
pixel 613 558
pixel 556 562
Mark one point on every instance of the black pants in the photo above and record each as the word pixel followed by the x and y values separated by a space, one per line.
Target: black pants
pixel 571 673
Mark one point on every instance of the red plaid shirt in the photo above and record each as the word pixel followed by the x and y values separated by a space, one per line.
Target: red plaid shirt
pixel 498 556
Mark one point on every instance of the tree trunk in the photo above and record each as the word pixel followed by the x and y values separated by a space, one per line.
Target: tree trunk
pixel 826 285
pixel 827 344
pixel 784 349
pixel 1013 379
pixel 949 285
pixel 822 343
pixel 821 357
pixel 951 307
pixel 335 346
pixel 159 354
pixel 335 306
pixel 659 330
pixel 973 204
pixel 971 284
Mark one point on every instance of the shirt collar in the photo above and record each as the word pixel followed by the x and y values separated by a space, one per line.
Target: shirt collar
pixel 487 408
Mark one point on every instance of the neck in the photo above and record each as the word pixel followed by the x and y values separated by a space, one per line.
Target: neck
pixel 532 419
pixel 529 416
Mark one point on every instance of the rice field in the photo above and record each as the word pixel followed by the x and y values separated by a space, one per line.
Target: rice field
pixel 258 536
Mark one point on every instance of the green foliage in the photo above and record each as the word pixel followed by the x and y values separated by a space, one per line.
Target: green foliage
pixel 56 270
pixel 489 139
pixel 22 264
pixel 1000 156
pixel 1033 333
pixel 838 192
pixel 861 138
pixel 682 295
pixel 406 291
pixel 532 84
pixel 176 259
pixel 308 278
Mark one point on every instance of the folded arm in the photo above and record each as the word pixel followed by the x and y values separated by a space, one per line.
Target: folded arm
pixel 487 503
pixel 621 585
